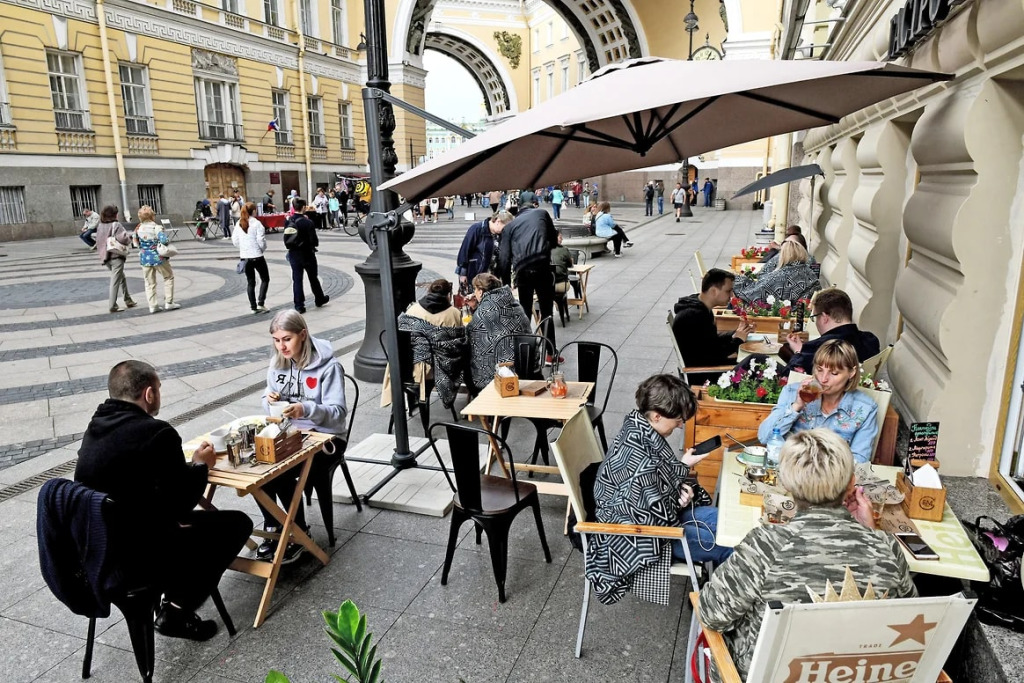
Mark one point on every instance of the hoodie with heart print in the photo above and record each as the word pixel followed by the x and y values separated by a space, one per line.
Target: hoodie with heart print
pixel 319 387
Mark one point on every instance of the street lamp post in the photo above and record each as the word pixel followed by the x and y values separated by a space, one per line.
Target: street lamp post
pixel 690 20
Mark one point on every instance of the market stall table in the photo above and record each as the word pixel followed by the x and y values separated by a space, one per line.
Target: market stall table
pixel 273 221
pixel 490 406
pixel 250 480
pixel 957 556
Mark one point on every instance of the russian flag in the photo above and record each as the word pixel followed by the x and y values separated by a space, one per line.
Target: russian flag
pixel 272 125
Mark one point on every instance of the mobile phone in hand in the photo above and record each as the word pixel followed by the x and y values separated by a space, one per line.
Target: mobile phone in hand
pixel 711 444
pixel 916 546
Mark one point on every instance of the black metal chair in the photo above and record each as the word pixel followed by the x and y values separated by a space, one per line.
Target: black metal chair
pixel 588 365
pixel 321 473
pixel 137 603
pixel 410 387
pixel 491 502
pixel 527 354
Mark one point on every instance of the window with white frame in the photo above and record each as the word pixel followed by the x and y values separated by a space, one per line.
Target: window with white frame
pixel 271 13
pixel 5 107
pixel 345 119
pixel 565 75
pixel 536 86
pixel 84 197
pixel 315 119
pixel 581 68
pixel 307 18
pixel 339 22
pixel 551 33
pixel 12 205
pixel 550 81
pixel 138 111
pixel 218 108
pixel 230 6
pixel 152 196
pixel 281 103
pixel 70 111
pixel 565 31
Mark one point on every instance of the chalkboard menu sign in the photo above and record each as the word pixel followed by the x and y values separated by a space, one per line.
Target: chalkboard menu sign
pixel 924 436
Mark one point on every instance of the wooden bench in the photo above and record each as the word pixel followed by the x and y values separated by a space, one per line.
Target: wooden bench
pixel 579 237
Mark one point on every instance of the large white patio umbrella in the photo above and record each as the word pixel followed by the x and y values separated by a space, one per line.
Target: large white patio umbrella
pixel 647 113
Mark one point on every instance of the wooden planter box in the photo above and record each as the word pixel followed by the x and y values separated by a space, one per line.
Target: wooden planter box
pixel 741 420
pixel 727 321
pixel 738 262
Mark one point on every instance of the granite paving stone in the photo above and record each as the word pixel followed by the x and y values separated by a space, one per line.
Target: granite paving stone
pixel 23 657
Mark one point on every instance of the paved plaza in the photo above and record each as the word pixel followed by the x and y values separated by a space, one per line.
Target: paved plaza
pixel 58 342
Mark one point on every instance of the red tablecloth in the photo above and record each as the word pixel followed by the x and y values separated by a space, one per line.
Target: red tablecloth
pixel 273 221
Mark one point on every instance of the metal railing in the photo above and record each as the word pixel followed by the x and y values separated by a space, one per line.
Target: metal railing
pixel 212 130
pixel 71 119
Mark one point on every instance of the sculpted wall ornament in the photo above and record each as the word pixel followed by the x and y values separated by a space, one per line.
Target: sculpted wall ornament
pixel 213 62
pixel 510 46
pixel 418 26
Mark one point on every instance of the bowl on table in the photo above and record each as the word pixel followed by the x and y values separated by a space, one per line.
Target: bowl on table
pixel 753 456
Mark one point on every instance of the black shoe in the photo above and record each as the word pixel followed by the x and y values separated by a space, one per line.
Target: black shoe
pixel 175 622
pixel 269 545
pixel 324 302
pixel 292 553
pixel 301 309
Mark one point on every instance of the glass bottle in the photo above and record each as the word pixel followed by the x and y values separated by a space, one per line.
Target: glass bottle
pixel 467 315
pixel 558 387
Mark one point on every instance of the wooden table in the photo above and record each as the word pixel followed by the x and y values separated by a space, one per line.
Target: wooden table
pixel 768 348
pixel 584 274
pixel 246 480
pixel 957 556
pixel 491 408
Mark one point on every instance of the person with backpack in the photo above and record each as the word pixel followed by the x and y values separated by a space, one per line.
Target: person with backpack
pixel 301 241
pixel 649 199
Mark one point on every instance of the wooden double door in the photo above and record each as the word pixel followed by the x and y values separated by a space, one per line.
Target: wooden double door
pixel 224 178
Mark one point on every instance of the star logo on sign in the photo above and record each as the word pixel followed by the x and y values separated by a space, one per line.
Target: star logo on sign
pixel 915 630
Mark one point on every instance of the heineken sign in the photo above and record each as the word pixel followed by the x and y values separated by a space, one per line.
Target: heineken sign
pixel 914 21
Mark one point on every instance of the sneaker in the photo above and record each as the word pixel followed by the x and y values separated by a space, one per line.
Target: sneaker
pixel 130 304
pixel 324 302
pixel 171 307
pixel 677 220
pixel 628 245
pixel 618 256
pixel 115 309
pixel 155 310
pixel 268 547
pixel 255 312
pixel 92 248
pixel 262 309
pixel 301 310
pixel 175 622
pixel 292 553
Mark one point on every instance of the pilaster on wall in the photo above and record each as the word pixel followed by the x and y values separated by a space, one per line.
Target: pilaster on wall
pixel 957 224
pixel 877 205
pixel 840 224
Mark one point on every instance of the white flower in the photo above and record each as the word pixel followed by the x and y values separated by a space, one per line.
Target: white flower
pixel 786 303
pixel 770 300
pixel 723 380
pixel 882 385
pixel 769 372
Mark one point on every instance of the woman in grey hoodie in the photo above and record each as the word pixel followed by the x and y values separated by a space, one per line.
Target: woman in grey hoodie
pixel 304 372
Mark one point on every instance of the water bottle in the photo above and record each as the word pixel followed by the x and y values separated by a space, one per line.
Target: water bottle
pixel 775 442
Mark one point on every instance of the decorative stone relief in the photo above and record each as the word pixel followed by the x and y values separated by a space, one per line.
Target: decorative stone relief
pixel 213 62
pixel 877 206
pixel 837 230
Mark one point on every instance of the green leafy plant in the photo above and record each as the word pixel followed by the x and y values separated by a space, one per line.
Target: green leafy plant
pixel 510 46
pixel 758 384
pixel 355 651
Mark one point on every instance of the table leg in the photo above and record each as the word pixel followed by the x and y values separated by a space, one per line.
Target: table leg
pixel 495 447
pixel 583 293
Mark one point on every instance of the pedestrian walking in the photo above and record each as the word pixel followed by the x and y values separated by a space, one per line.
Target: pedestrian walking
pixel 659 194
pixel 109 227
pixel 333 208
pixel 586 195
pixel 301 241
pixel 321 204
pixel 708 188
pixel 678 199
pixel 150 236
pixel 249 236
pixel 224 216
pixel 649 199
pixel 556 202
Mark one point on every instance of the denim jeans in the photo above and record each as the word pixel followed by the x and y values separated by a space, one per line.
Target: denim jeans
pixel 701 534
pixel 661 205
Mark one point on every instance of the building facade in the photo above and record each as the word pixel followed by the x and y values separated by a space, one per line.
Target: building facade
pixel 919 217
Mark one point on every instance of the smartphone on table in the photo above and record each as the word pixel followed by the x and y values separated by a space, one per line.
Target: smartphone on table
pixel 916 546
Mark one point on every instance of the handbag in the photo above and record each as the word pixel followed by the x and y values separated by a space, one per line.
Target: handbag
pixel 240 268
pixel 166 250
pixel 1001 546
pixel 116 248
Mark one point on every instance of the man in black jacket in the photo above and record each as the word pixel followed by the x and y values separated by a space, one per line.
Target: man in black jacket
pixel 301 241
pixel 525 247
pixel 479 251
pixel 832 312
pixel 138 462
pixel 694 325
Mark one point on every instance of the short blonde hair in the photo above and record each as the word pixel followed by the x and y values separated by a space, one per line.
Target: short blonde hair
pixel 486 282
pixel 816 466
pixel 146 213
pixel 791 252
pixel 503 217
pixel 837 354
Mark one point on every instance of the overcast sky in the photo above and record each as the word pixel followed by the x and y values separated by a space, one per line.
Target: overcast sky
pixel 451 92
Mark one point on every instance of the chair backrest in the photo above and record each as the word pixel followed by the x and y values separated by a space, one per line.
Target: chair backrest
pixel 464 448
pixel 165 222
pixel 575 450
pixel 881 398
pixel 680 363
pixel 886 640
pixel 351 402
pixel 693 283
pixel 528 351
pixel 579 257
pixel 872 366
pixel 699 258
pixel 588 366
pixel 404 352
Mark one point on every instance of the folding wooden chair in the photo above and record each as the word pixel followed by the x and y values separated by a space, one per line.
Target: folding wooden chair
pixel 683 370
pixel 872 366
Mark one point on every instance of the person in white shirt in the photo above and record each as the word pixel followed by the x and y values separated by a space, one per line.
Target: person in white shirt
pixel 250 238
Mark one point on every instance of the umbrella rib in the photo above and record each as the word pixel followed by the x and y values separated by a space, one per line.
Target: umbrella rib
pixel 831 118
pixel 565 141
pixel 603 139
pixel 703 105
pixel 659 132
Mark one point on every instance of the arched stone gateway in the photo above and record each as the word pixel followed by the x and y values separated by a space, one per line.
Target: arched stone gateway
pixel 499 94
pixel 608 30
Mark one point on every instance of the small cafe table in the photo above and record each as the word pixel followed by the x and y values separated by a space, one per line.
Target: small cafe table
pixel 250 480
pixel 957 556
pixel 584 274
pixel 491 408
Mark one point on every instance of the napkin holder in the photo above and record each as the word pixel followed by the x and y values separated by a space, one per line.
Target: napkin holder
pixel 507 386
pixel 921 503
pixel 272 450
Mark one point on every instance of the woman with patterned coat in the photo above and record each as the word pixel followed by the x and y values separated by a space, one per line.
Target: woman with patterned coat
pixel 794 279
pixel 497 314
pixel 641 481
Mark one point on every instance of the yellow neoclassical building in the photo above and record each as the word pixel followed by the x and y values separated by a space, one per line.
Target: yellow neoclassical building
pixel 167 102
